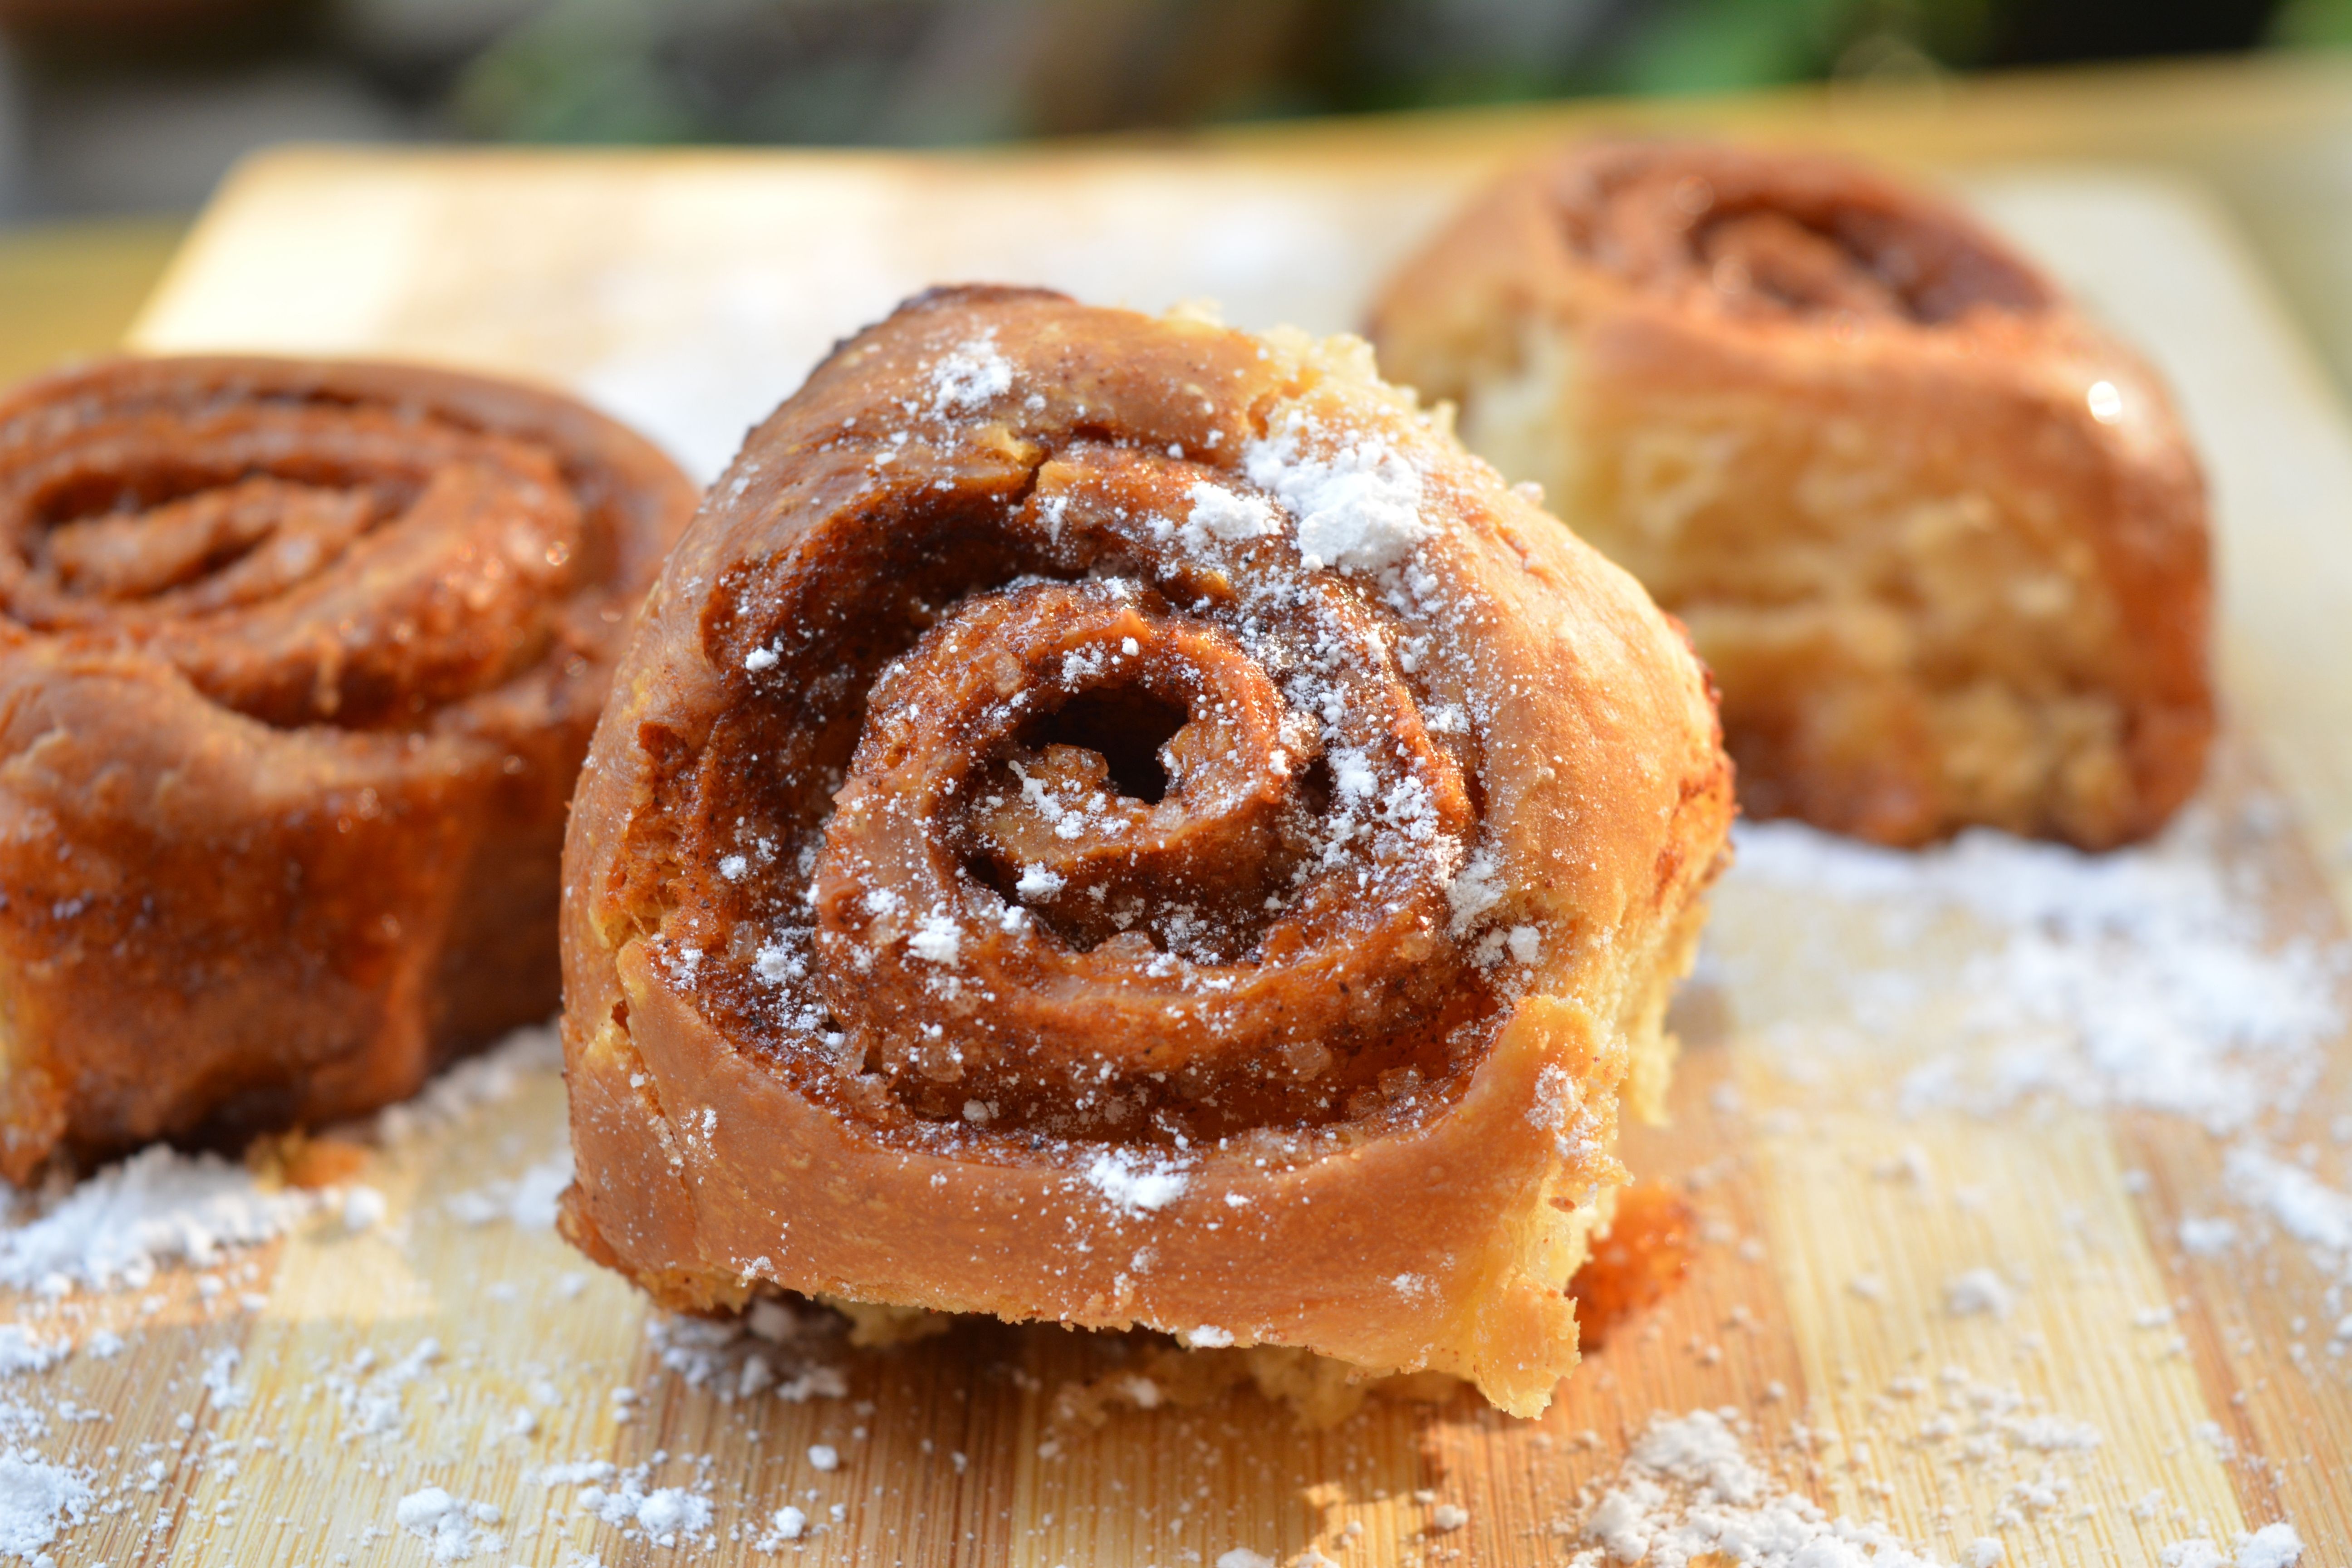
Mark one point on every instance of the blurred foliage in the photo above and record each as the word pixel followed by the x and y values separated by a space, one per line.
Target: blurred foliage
pixel 931 71
pixel 948 70
pixel 2312 24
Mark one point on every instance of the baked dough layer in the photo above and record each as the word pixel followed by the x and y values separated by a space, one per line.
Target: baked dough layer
pixel 1118 821
pixel 1939 538
pixel 298 662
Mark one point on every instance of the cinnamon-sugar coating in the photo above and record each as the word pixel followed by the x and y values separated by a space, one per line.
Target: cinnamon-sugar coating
pixel 1940 540
pixel 1117 820
pixel 298 662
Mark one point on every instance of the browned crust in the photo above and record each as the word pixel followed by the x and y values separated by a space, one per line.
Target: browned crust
pixel 1981 399
pixel 217 921
pixel 707 1171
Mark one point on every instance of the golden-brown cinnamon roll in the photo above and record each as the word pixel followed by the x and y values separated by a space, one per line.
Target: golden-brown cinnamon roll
pixel 1940 540
pixel 1119 821
pixel 298 662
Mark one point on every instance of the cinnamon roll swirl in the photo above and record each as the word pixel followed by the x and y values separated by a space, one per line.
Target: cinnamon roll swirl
pixel 1940 539
pixel 1119 821
pixel 297 663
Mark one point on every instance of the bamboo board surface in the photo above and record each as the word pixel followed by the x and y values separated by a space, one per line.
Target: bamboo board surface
pixel 2179 1394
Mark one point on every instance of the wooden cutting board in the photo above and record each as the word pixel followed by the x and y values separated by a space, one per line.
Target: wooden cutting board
pixel 2181 1394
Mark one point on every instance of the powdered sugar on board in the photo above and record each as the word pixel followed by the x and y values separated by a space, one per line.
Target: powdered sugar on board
pixel 2147 978
pixel 158 1208
pixel 452 1529
pixel 37 1499
pixel 1990 986
pixel 1689 1492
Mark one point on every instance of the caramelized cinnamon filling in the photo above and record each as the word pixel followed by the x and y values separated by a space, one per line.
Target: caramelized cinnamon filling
pixel 1769 236
pixel 298 561
pixel 1645 1254
pixel 1041 808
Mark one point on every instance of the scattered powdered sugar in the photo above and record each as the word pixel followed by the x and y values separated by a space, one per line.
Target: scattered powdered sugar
pixel 2202 1236
pixel 1475 888
pixel 527 1201
pixel 454 1528
pixel 1037 882
pixel 771 1351
pixel 2291 1197
pixel 2271 1546
pixel 38 1499
pixel 1979 1290
pixel 578 1472
pixel 158 1207
pixel 1223 514
pixel 370 1398
pixel 939 939
pixel 21 1352
pixel 364 1209
pixel 493 1078
pixel 220 1379
pixel 1688 1493
pixel 2140 977
pixel 787 1523
pixel 972 373
pixel 1359 509
pixel 1133 1182
pixel 665 1515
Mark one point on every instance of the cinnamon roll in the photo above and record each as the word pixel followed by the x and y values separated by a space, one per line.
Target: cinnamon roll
pixel 1940 539
pixel 297 663
pixel 1118 821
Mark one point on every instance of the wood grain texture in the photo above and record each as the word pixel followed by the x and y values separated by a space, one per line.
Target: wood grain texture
pixel 2134 1397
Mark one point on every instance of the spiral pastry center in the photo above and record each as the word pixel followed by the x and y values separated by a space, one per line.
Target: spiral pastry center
pixel 1142 834
pixel 1770 237
pixel 298 561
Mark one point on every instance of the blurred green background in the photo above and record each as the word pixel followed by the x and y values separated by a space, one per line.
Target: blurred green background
pixel 116 106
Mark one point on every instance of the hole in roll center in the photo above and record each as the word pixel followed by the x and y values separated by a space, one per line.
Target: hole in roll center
pixel 1126 726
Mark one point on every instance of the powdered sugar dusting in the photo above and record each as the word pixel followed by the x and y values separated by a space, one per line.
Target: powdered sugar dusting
pixel 21 1352
pixel 452 1528
pixel 1134 1181
pixel 2294 1200
pixel 662 1516
pixel 1979 1290
pixel 970 375
pixel 527 1200
pixel 1689 1493
pixel 2271 1546
pixel 493 1078
pixel 1225 515
pixel 1474 890
pixel 159 1206
pixel 937 938
pixel 2141 977
pixel 1358 508
pixel 37 1500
